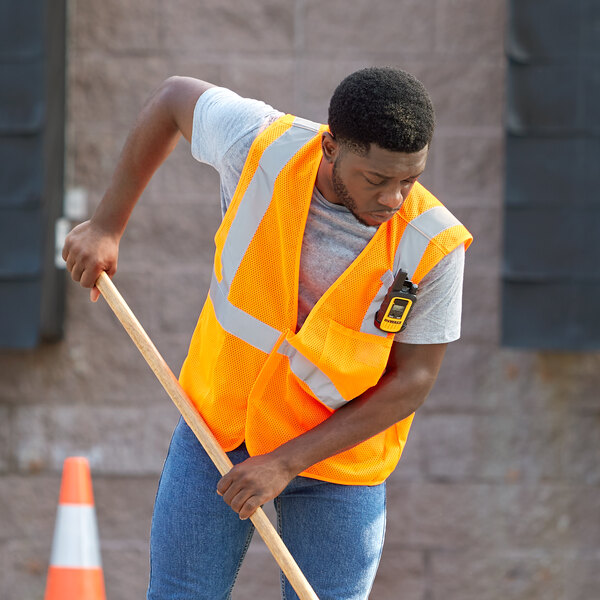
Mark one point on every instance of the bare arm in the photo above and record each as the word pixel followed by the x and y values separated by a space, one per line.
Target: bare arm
pixel 410 375
pixel 93 246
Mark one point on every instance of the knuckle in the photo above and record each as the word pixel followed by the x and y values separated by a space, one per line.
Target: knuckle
pixel 223 483
pixel 250 507
pixel 253 504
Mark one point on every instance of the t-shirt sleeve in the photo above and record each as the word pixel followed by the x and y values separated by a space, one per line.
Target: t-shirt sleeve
pixel 436 316
pixel 224 127
pixel 221 119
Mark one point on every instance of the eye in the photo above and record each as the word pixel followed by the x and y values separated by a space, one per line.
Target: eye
pixel 371 182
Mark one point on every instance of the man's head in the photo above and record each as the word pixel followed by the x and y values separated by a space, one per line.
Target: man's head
pixel 381 122
pixel 383 106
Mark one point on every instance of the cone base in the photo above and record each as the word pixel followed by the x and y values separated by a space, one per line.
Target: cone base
pixel 75 584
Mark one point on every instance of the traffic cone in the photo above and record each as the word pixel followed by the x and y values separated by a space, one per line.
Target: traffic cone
pixel 75 571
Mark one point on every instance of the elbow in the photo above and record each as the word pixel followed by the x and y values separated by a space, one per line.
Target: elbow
pixel 170 85
pixel 424 380
pixel 165 104
pixel 161 100
pixel 414 388
pixel 177 97
pixel 417 400
pixel 167 91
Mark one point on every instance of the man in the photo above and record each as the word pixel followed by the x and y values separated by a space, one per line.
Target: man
pixel 289 365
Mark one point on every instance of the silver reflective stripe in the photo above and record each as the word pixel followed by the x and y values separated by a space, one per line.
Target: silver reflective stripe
pixel 240 323
pixel 75 543
pixel 413 244
pixel 306 124
pixel 368 325
pixel 320 385
pixel 250 212
pixel 259 193
pixel 419 232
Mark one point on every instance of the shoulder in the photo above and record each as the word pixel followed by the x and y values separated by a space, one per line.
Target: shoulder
pixel 436 316
pixel 223 118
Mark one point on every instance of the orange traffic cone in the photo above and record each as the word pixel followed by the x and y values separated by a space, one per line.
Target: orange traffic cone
pixel 75 571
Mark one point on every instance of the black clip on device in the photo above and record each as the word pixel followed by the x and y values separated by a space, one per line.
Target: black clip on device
pixel 401 296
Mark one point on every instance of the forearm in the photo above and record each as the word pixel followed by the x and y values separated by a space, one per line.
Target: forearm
pixel 260 478
pixel 410 375
pixel 93 246
pixel 151 140
pixel 373 412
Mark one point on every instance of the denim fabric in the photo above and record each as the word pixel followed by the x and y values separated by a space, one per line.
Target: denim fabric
pixel 334 532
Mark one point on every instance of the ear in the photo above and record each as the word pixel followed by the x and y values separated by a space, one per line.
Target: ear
pixel 330 146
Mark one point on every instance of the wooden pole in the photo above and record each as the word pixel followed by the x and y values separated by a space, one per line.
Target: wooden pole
pixel 197 424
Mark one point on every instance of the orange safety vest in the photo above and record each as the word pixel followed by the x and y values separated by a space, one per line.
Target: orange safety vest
pixel 252 376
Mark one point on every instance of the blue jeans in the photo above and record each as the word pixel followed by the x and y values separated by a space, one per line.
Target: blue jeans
pixel 334 532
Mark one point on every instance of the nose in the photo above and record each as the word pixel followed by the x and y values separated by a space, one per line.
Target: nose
pixel 392 198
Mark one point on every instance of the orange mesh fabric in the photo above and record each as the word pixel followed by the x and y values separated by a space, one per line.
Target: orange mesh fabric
pixel 419 200
pixel 368 463
pixel 441 245
pixel 220 395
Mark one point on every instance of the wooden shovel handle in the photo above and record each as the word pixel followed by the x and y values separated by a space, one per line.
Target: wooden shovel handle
pixel 189 412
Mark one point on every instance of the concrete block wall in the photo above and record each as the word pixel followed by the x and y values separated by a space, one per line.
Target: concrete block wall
pixel 497 495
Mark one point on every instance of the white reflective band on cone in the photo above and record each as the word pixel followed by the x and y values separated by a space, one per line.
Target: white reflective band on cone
pixel 75 543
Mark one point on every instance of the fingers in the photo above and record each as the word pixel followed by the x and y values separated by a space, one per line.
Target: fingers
pixel 86 277
pixel 70 260
pixel 77 272
pixel 245 506
pixel 243 500
pixel 65 250
pixel 250 506
pixel 87 252
pixel 89 276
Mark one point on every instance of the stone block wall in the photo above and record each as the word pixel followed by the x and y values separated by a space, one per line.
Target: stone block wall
pixel 497 495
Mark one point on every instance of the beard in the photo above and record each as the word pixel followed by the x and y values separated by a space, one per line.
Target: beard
pixel 343 195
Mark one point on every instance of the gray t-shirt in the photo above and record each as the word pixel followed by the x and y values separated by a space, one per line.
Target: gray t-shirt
pixel 225 125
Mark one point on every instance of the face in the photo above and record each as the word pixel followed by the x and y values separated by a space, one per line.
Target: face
pixel 373 187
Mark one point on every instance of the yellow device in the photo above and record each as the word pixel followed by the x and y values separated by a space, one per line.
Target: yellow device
pixel 401 296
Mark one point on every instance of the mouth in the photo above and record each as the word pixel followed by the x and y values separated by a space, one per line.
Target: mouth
pixel 381 216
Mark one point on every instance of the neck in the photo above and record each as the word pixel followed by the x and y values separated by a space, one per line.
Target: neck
pixel 324 182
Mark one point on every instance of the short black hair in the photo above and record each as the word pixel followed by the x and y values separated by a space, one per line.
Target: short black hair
pixel 383 106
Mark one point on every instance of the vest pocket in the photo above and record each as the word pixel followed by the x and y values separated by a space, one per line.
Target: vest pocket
pixel 353 360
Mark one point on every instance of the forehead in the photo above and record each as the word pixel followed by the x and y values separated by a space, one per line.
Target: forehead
pixel 389 163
